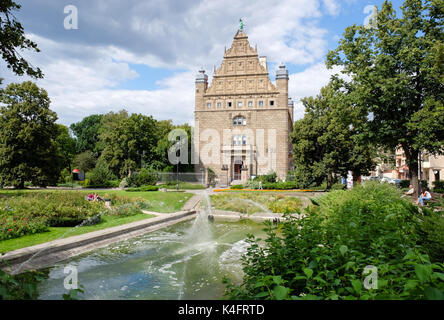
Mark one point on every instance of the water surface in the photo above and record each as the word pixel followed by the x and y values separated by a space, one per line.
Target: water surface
pixel 185 261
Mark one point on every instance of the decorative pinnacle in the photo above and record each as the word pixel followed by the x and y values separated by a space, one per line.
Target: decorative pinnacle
pixel 241 25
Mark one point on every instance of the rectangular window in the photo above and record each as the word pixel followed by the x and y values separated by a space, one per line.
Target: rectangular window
pixel 209 105
pixel 250 103
pixel 271 103
pixel 219 104
pixel 239 103
pixel 244 121
pixel 234 140
pixel 244 140
pixel 229 104
pixel 261 103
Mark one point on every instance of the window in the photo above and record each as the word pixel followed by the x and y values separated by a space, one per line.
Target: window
pixel 239 104
pixel 239 140
pixel 271 102
pixel 239 121
pixel 209 105
pixel 261 103
pixel 229 104
pixel 250 103
pixel 219 104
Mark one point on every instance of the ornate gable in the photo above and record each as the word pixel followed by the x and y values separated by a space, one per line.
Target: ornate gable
pixel 241 71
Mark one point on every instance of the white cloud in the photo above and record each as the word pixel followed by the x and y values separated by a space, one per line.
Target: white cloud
pixel 84 68
pixel 308 83
pixel 333 7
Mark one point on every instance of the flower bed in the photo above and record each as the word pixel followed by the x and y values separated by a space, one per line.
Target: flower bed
pixel 28 213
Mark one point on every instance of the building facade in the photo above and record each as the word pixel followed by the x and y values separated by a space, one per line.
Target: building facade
pixel 242 120
pixel 432 168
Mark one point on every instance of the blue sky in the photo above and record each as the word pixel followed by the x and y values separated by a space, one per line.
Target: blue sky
pixel 143 55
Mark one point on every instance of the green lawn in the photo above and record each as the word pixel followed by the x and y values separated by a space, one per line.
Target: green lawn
pixel 164 202
pixel 65 232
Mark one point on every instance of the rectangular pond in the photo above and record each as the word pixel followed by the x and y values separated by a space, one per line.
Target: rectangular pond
pixel 184 261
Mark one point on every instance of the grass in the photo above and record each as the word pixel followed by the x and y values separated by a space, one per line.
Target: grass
pixel 183 186
pixel 163 202
pixel 65 232
pixel 255 202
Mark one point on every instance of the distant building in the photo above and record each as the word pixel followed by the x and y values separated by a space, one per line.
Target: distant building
pixel 432 167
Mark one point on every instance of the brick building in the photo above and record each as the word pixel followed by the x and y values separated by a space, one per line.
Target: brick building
pixel 242 120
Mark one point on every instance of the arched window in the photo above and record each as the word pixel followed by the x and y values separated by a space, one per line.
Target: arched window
pixel 239 121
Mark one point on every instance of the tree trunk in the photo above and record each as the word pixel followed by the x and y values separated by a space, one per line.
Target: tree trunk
pixel 412 162
pixel 329 178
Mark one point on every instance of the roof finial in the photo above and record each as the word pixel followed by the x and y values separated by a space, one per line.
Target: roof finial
pixel 241 25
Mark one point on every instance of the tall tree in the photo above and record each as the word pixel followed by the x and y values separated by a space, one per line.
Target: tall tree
pixel 87 134
pixel 396 67
pixel 12 39
pixel 129 141
pixel 326 141
pixel 66 146
pixel 28 133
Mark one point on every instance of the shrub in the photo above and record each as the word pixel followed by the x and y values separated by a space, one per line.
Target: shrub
pixel 146 178
pixel 14 227
pixel 404 184
pixel 251 184
pixel 285 205
pixel 338 186
pixel 23 286
pixel 438 186
pixel 33 211
pixel 123 184
pixel 267 178
pixel 432 232
pixel 323 255
pixel 237 187
pixel 101 176
pixel 130 209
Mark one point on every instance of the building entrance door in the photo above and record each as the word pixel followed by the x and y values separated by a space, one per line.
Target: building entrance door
pixel 237 171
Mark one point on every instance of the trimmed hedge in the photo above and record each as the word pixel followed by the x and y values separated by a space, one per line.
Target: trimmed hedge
pixel 143 189
pixel 438 186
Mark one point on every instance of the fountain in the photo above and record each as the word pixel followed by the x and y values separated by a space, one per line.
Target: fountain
pixel 184 261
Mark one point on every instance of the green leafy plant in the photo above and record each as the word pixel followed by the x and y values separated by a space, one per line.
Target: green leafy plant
pixel 323 255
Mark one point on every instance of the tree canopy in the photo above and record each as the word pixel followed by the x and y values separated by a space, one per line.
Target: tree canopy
pixel 396 70
pixel 326 141
pixel 12 40
pixel 28 134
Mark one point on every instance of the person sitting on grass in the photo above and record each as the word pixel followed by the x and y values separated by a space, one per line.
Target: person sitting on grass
pixel 97 198
pixel 411 191
pixel 425 196
pixel 90 197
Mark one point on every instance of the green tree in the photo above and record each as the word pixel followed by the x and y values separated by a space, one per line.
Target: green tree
pixel 396 68
pixel 87 134
pixel 12 39
pixel 84 161
pixel 28 133
pixel 129 141
pixel 66 145
pixel 326 141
